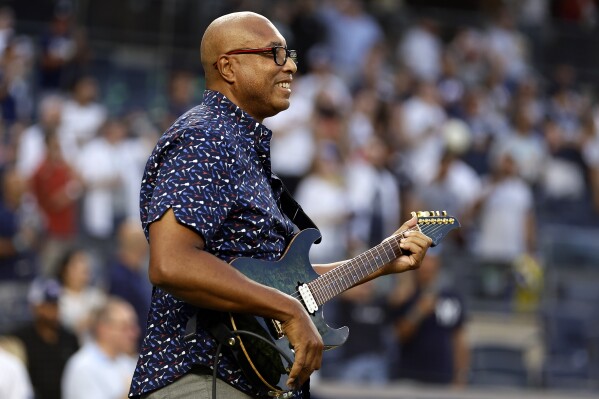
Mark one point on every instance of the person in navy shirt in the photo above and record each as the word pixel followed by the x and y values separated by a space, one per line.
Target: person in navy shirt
pixel 208 196
pixel 127 275
pixel 430 326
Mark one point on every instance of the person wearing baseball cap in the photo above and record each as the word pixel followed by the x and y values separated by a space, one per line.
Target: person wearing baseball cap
pixel 47 344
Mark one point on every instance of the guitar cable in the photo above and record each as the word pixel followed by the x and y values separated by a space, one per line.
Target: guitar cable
pixel 241 332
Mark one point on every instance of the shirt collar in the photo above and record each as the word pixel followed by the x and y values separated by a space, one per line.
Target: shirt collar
pixel 257 135
pixel 256 131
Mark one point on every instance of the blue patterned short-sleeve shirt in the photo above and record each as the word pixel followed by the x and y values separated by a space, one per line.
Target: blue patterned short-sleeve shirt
pixel 212 168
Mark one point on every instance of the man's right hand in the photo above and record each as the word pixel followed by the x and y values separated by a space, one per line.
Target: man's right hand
pixel 307 345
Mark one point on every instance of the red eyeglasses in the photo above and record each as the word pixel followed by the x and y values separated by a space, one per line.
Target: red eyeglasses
pixel 279 53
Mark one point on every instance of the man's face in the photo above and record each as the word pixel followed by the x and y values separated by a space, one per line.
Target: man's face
pixel 263 88
pixel 122 330
pixel 46 313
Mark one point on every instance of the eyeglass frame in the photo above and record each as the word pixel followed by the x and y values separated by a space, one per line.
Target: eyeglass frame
pixel 265 50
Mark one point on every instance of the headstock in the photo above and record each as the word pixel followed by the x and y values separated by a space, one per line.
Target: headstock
pixel 435 224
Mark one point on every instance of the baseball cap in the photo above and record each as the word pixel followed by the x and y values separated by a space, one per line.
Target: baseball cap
pixel 43 291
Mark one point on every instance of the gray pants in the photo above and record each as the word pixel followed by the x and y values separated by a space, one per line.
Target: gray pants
pixel 196 385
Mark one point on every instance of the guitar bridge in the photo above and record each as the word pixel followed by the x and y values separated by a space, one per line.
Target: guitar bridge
pixel 277 329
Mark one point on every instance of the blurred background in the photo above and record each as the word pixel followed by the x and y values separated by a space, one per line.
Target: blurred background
pixel 485 109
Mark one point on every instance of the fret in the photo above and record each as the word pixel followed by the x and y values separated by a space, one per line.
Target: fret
pixel 354 270
pixel 346 275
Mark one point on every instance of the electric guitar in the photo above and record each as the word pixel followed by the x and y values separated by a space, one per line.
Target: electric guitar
pixel 293 274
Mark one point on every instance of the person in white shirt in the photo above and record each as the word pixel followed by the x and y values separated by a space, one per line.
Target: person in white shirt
pixel 102 164
pixel 103 367
pixel 82 116
pixel 31 148
pixel 14 380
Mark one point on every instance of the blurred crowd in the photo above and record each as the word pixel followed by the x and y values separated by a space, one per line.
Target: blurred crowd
pixel 380 124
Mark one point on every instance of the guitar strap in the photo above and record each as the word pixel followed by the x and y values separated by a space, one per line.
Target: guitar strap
pixel 291 208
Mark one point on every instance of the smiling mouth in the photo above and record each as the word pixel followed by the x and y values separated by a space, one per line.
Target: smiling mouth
pixel 284 85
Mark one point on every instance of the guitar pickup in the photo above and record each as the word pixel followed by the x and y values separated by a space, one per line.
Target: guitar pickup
pixel 308 298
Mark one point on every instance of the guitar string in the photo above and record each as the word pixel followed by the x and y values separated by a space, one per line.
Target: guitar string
pixel 332 277
pixel 329 278
pixel 350 271
pixel 342 272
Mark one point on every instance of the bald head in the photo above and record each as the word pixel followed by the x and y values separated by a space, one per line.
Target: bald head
pixel 255 82
pixel 230 32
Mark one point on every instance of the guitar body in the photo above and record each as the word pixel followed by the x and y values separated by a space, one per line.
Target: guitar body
pixel 294 268
pixel 261 362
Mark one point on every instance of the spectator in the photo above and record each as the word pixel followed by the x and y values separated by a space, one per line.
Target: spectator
pixel 430 326
pixel 363 310
pixel 58 50
pixel 103 367
pixel 468 48
pixel 455 187
pixel 362 119
pixel 308 29
pixel 506 224
pixel 590 153
pixel 566 104
pixel 181 90
pixel 16 62
pixel 31 146
pixel 79 297
pixel 104 201
pixel 451 88
pixel 82 115
pixel 57 189
pixel 18 232
pixel 322 195
pixel 14 383
pixel 47 344
pixel 420 49
pixel 141 137
pixel 374 197
pixel 352 32
pixel 564 174
pixel 420 140
pixel 507 46
pixel 525 145
pixel 7 28
pixel 485 125
pixel 128 277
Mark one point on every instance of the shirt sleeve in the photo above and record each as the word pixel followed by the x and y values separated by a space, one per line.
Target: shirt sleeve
pixel 196 180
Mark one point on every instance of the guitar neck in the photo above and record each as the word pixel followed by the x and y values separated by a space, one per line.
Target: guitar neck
pixel 351 272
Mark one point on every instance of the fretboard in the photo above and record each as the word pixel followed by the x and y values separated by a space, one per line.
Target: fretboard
pixel 356 269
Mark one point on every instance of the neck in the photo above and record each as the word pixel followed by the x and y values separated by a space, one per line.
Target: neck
pixel 48 332
pixel 225 91
pixel 348 274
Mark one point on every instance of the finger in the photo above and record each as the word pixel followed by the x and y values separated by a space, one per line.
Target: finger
pixel 413 248
pixel 296 369
pixel 409 224
pixel 419 239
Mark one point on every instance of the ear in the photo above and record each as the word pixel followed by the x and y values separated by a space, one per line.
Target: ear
pixel 226 69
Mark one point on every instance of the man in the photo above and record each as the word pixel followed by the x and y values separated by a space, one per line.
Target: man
pixel 207 198
pixel 18 231
pixel 103 367
pixel 430 326
pixel 47 344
